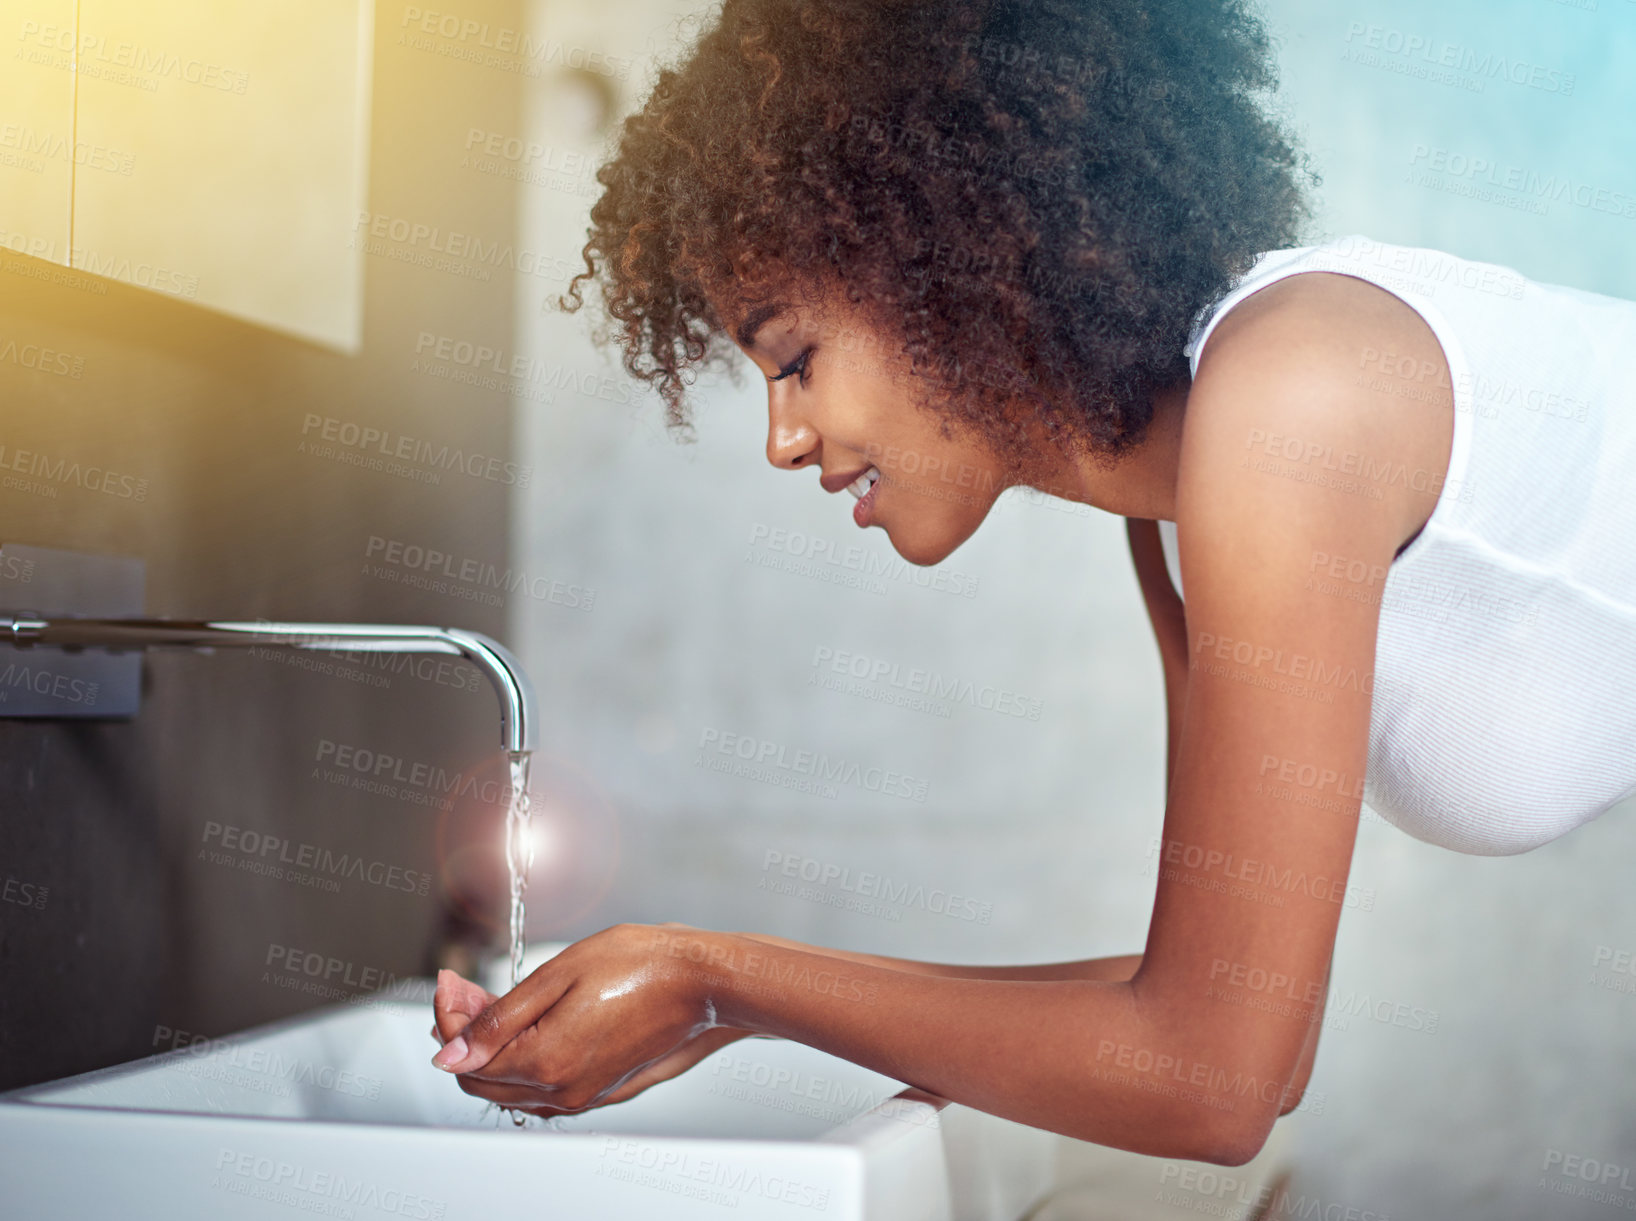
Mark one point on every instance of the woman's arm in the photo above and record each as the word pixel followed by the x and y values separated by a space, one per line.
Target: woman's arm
pixel 1168 616
pixel 1169 619
pixel 1121 967
pixel 1118 968
pixel 1297 1088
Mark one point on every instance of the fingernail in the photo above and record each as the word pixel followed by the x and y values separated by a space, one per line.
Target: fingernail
pixel 454 1051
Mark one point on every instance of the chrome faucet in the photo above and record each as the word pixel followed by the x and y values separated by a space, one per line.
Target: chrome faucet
pixel 517 729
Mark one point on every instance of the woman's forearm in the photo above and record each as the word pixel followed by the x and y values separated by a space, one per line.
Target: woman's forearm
pixel 1083 1057
pixel 1114 969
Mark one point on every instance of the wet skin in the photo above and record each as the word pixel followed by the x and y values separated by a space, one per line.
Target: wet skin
pixel 1146 1052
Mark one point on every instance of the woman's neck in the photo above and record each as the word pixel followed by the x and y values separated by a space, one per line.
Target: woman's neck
pixel 1140 483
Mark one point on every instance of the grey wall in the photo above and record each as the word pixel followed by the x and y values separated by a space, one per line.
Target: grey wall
pixel 140 928
pixel 706 622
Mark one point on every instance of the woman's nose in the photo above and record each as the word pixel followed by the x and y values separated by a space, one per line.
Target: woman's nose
pixel 791 441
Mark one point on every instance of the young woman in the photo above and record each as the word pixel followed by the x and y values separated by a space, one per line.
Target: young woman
pixel 974 245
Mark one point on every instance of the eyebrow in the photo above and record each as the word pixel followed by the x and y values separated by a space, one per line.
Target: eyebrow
pixel 758 318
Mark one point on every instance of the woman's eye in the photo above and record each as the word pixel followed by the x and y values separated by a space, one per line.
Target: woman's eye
pixel 798 365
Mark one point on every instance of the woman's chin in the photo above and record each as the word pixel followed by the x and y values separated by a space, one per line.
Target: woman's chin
pixel 920 550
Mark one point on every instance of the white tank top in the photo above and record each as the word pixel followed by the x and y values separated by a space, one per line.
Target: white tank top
pixel 1504 698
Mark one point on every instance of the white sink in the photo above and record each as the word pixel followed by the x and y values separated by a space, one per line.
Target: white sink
pixel 339 1113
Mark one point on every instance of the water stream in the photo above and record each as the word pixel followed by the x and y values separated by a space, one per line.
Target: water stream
pixel 519 855
pixel 519 861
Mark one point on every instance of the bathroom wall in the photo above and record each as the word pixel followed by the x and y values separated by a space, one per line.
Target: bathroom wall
pixel 143 902
pixel 1019 817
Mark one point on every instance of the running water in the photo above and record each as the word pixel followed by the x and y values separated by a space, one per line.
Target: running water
pixel 519 861
pixel 519 856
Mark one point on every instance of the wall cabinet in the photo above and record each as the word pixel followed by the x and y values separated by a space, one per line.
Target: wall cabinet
pixel 216 153
pixel 36 129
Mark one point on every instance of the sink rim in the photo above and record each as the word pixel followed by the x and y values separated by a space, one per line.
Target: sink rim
pixel 849 1135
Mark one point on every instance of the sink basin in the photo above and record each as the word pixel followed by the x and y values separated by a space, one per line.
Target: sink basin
pixel 338 1112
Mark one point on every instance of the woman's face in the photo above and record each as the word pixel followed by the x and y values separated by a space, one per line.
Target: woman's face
pixel 840 398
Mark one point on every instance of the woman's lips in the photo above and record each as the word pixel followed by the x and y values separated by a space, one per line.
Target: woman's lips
pixel 864 488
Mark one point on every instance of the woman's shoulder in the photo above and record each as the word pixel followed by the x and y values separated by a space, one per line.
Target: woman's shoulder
pixel 1328 319
pixel 1332 382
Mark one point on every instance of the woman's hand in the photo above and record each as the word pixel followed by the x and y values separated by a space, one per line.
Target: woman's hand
pixel 605 1019
pixel 455 1003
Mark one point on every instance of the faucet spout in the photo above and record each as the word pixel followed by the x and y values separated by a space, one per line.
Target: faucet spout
pixel 504 672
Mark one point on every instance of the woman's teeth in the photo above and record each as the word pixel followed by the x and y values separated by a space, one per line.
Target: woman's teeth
pixel 860 486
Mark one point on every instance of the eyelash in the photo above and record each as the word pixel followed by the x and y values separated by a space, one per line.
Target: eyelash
pixel 798 364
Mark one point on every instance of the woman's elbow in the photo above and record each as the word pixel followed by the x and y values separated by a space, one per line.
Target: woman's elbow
pixel 1233 1140
pixel 1291 1099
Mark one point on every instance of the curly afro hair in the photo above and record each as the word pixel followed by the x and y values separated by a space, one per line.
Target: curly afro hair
pixel 1033 198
